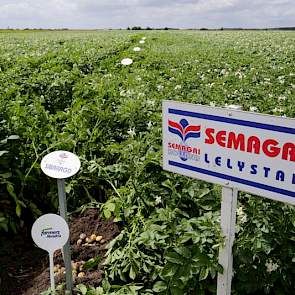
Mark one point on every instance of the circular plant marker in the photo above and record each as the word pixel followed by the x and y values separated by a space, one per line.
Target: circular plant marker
pixel 50 232
pixel 126 61
pixel 141 41
pixel 60 164
pixel 136 49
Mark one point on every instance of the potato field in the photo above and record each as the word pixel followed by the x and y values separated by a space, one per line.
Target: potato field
pixel 70 90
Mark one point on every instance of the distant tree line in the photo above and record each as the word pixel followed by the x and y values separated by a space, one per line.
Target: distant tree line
pixel 35 29
pixel 165 28
pixel 149 28
pixel 283 28
pixel 207 29
pixel 257 29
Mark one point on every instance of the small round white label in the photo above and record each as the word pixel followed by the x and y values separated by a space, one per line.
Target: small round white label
pixel 126 61
pixel 50 232
pixel 60 164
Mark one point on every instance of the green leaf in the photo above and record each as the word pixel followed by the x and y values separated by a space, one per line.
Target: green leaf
pixel 3 223
pixel 47 292
pixel 91 263
pixel 174 258
pixel 117 219
pixel 18 209
pixel 176 291
pixel 10 190
pixel 13 137
pixel 220 268
pixel 159 286
pixel 184 273
pixel 204 273
pixel 5 175
pixel 201 259
pixel 183 251
pixel 203 192
pixel 132 273
pixel 106 285
pixel 169 270
pixel 82 288
pixel 111 207
pixel 96 291
pixel 107 214
pixel 3 153
pixel 191 191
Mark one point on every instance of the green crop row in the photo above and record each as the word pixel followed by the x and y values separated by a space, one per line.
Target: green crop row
pixel 69 91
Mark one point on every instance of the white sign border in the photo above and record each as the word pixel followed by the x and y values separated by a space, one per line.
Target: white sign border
pixel 225 115
pixel 58 174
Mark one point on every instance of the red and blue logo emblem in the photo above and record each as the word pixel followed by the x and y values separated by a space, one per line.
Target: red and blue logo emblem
pixel 184 130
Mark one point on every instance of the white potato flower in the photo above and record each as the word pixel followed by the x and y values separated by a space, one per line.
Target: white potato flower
pixel 131 132
pixel 158 200
pixel 160 87
pixel 242 216
pixel 271 266
pixel 253 109
pixel 149 125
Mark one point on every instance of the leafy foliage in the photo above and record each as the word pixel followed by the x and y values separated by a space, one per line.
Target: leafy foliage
pixel 69 91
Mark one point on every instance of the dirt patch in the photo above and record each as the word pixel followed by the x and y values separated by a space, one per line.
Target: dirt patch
pixel 20 263
pixel 88 223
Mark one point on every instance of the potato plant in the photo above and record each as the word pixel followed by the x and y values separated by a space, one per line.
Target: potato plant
pixel 69 90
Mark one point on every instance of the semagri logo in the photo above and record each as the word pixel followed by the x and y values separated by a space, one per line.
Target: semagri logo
pixel 184 131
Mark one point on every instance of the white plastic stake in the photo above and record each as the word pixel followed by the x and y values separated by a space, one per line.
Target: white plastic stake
pixel 66 247
pixel 50 232
pixel 51 265
pixel 228 223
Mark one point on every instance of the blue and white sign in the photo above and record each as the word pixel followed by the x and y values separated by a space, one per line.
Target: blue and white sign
pixel 247 151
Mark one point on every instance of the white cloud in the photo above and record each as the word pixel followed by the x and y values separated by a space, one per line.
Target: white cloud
pixel 31 13
pixel 154 13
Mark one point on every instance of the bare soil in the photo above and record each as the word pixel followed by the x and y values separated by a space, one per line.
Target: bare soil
pixel 26 271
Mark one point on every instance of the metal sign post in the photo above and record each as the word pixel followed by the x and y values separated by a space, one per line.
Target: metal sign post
pixel 66 247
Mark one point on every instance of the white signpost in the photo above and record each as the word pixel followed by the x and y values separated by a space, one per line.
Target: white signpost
pixel 61 165
pixel 239 150
pixel 50 232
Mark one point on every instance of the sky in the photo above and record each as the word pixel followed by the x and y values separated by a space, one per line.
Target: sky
pixel 91 14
